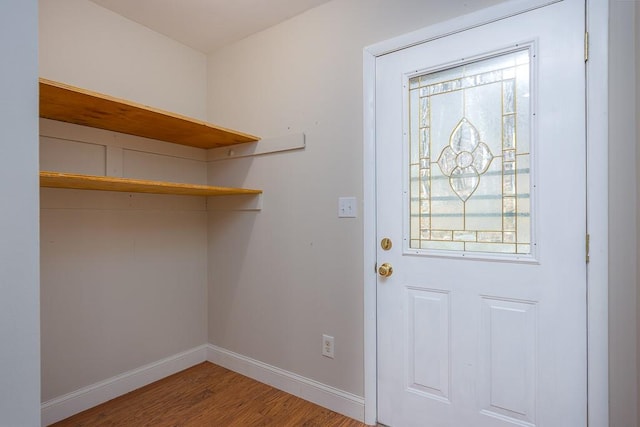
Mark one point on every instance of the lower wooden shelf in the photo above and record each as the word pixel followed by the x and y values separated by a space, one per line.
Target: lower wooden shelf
pixel 106 183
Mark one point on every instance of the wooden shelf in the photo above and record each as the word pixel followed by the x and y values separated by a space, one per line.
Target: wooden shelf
pixel 105 183
pixel 66 103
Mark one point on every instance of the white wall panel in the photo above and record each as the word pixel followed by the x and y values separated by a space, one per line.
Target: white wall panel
pixel 142 165
pixel 637 73
pixel 60 155
pixel 19 265
pixel 623 214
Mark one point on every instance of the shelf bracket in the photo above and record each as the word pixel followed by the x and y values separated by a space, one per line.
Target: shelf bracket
pixel 264 146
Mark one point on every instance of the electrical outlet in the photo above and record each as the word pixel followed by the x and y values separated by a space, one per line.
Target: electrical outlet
pixel 327 346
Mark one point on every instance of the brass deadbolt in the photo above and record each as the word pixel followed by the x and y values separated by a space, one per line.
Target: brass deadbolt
pixel 386 243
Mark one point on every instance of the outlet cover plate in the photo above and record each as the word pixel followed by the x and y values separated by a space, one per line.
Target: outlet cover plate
pixel 327 346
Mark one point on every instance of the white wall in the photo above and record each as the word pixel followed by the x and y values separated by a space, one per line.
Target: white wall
pixel 637 74
pixel 623 229
pixel 282 277
pixel 123 276
pixel 19 288
pixel 85 45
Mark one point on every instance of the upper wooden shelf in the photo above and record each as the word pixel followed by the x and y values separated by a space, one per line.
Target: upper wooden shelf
pixel 106 183
pixel 66 103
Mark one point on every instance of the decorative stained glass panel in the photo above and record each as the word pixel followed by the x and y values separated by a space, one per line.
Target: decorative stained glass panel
pixel 469 157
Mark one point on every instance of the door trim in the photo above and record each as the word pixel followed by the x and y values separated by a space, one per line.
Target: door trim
pixel 597 191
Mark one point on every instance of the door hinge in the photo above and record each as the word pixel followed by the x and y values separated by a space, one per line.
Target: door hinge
pixel 586 46
pixel 587 247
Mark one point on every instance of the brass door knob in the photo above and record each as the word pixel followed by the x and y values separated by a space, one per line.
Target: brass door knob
pixel 385 270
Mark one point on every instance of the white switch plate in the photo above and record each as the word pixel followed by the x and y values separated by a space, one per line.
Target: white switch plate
pixel 347 207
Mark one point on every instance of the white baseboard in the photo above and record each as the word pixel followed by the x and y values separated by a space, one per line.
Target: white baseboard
pixel 72 403
pixel 326 396
pixel 321 394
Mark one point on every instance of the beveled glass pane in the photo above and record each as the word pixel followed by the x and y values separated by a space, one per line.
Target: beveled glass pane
pixel 415 228
pixel 490 77
pixel 508 96
pixel 481 158
pixel 425 223
pixel 414 129
pixel 448 161
pixel 509 156
pixel 464 181
pixel 440 76
pixel 450 246
pixel 523 201
pixel 491 247
pixel 509 206
pixel 424 112
pixel 509 213
pixel 509 221
pixel 414 184
pixel 469 156
pixel 424 143
pixel 509 188
pixel 509 132
pixel 523 108
pixel 424 184
pixel 468 82
pixel 489 236
pixel 441 235
pixel 465 236
pixel 425 206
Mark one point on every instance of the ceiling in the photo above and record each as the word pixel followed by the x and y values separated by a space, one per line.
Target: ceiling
pixel 207 25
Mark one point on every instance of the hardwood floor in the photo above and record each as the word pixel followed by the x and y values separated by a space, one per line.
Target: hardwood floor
pixel 208 395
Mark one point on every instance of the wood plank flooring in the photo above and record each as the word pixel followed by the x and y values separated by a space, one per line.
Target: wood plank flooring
pixel 208 395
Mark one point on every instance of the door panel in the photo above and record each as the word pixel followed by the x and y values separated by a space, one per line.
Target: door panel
pixel 480 166
pixel 508 358
pixel 428 342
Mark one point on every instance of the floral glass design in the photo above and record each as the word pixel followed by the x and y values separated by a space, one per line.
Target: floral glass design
pixel 469 157
pixel 465 159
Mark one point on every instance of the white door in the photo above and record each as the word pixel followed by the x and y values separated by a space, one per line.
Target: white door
pixel 480 148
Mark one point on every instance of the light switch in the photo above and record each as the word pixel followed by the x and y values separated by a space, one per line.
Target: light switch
pixel 347 207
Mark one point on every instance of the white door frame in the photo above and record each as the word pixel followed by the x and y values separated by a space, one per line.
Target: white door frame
pixel 597 192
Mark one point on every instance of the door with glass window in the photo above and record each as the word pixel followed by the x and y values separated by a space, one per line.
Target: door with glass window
pixel 481 225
